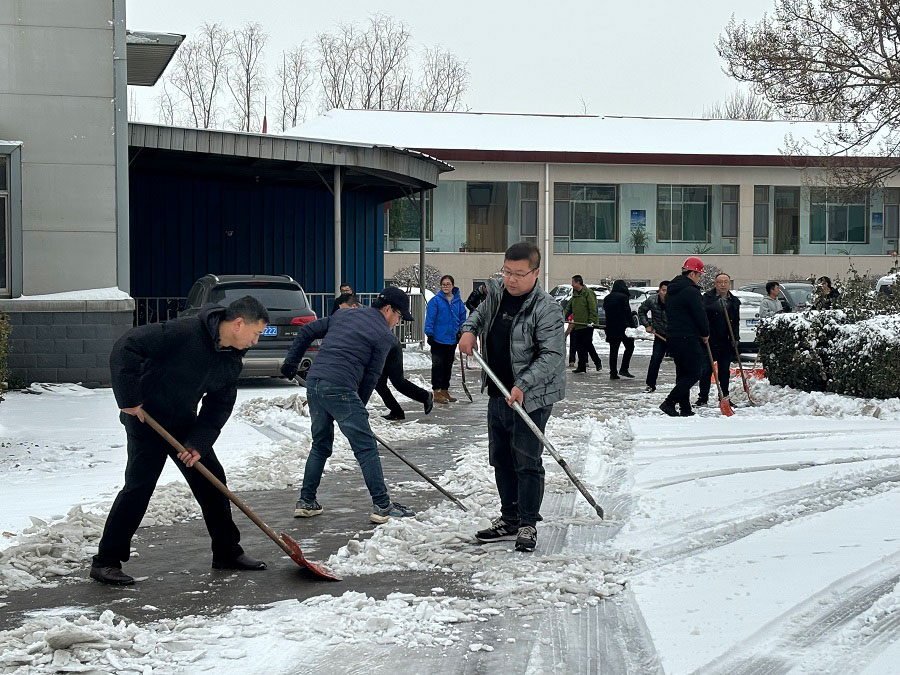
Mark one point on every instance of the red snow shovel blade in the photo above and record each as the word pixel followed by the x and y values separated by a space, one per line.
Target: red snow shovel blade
pixel 297 556
pixel 725 407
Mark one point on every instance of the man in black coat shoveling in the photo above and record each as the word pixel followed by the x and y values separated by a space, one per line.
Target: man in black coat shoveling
pixel 166 369
pixel 688 329
pixel 720 343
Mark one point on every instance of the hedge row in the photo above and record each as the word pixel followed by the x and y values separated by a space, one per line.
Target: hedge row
pixel 827 351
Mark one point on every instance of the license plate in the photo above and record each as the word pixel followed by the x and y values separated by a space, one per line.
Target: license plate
pixel 271 331
pixel 752 322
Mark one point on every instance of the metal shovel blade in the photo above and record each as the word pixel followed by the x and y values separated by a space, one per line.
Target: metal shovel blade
pixel 297 556
pixel 725 407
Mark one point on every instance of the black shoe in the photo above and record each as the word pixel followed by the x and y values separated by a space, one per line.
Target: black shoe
pixel 500 530
pixel 242 562
pixel 650 389
pixel 687 412
pixel 394 416
pixel 701 402
pixel 429 403
pixel 598 366
pixel 625 373
pixel 580 370
pixel 614 376
pixel 669 408
pixel 526 539
pixel 114 576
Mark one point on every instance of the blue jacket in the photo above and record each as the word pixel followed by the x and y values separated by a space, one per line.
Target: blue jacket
pixel 443 319
pixel 355 343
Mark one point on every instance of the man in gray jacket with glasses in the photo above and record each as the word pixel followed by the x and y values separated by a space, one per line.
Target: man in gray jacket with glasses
pixel 524 341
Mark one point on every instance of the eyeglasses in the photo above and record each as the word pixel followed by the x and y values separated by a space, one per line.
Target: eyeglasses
pixel 507 274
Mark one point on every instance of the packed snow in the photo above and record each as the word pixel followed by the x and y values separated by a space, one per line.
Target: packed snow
pixel 738 539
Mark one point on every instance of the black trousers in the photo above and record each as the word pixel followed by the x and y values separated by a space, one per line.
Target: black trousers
pixel 582 340
pixel 723 356
pixel 442 357
pixel 626 355
pixel 397 377
pixel 515 454
pixel 656 359
pixel 688 353
pixel 146 457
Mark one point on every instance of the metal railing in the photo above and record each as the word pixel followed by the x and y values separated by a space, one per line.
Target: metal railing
pixel 154 310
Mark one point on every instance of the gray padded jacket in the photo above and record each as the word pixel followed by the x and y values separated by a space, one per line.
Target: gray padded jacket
pixel 537 344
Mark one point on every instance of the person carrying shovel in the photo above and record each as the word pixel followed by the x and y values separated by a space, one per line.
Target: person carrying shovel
pixel 717 301
pixel 524 343
pixel 166 369
pixel 340 382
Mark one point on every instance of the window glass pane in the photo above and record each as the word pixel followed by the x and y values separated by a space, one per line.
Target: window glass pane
pixel 3 272
pixel 892 221
pixel 856 229
pixel 729 220
pixel 892 195
pixel 582 221
pixel 561 222
pixel 576 192
pixel 817 195
pixel 817 224
pixel 786 197
pixel 663 194
pixel 599 192
pixel 3 185
pixel 606 222
pixel 561 191
pixel 677 232
pixel 529 218
pixel 761 194
pixel 676 194
pixel 695 222
pixel 837 223
pixel 694 193
pixel 730 193
pixel 529 190
pixel 761 221
pixel 663 224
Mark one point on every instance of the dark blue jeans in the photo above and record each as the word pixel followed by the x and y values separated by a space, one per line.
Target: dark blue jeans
pixel 515 454
pixel 330 403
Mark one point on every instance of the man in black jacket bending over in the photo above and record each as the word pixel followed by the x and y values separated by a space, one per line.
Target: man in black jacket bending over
pixel 688 329
pixel 166 369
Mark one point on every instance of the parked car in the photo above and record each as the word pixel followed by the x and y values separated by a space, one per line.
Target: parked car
pixel 563 293
pixel 637 295
pixel 886 284
pixel 795 295
pixel 288 310
pixel 749 313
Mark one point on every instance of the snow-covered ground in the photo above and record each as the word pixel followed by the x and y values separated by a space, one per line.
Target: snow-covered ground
pixel 765 542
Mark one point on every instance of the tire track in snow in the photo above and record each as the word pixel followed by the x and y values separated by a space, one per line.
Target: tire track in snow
pixel 782 644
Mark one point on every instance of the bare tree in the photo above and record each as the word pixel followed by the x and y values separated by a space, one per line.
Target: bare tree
pixel 294 80
pixel 165 104
pixel 740 105
pixel 381 64
pixel 336 71
pixel 835 59
pixel 134 112
pixel 198 72
pixel 246 77
pixel 444 81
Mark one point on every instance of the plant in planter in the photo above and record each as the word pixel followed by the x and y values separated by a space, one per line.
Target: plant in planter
pixel 463 247
pixel 638 240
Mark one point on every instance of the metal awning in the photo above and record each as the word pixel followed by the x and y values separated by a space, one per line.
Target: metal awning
pixel 149 54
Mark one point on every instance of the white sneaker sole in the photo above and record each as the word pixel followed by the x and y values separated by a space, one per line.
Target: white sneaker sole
pixel 505 537
pixel 381 520
pixel 306 513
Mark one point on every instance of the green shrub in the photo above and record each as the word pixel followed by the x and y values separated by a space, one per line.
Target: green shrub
pixel 5 331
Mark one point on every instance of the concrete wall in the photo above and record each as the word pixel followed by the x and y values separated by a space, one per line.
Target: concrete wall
pixel 56 95
pixel 744 266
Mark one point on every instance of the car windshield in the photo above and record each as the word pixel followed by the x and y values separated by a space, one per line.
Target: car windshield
pixel 275 297
pixel 801 295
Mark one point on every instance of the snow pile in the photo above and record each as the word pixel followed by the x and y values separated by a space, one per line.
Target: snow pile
pixel 111 293
pixel 786 402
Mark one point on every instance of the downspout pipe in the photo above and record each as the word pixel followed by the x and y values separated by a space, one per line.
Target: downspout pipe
pixel 338 246
pixel 120 145
pixel 546 226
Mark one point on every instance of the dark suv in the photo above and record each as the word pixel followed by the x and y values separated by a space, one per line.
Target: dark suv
pixel 288 311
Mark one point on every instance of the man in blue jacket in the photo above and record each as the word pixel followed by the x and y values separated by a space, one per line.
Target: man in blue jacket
pixel 355 344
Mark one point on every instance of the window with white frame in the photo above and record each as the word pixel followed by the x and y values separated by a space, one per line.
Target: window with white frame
pixel 528 205
pixel 682 213
pixel 585 212
pixel 838 216
pixel 892 213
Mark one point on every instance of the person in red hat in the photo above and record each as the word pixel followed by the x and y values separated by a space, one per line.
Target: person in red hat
pixel 688 328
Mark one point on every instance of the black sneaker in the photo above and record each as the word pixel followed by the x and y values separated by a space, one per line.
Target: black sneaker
pixel 649 389
pixel 114 576
pixel 305 509
pixel 598 366
pixel 614 376
pixel 687 412
pixel 625 373
pixel 580 370
pixel 669 408
pixel 526 539
pixel 500 530
pixel 241 562
pixel 394 416
pixel 701 402
pixel 429 403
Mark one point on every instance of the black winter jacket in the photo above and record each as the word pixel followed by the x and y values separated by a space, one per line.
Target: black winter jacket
pixel 718 328
pixel 169 367
pixel 685 314
pixel 618 311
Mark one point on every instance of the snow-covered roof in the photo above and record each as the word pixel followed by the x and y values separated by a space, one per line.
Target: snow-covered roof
pixel 557 133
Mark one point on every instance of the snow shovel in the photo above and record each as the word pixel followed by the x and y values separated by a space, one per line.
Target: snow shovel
pixel 724 403
pixel 541 437
pixel 286 543
pixel 462 372
pixel 419 471
pixel 737 354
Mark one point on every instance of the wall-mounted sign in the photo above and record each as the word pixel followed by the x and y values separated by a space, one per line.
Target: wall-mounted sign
pixel 877 221
pixel 639 219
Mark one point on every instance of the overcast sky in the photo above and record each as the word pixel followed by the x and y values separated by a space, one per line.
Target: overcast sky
pixel 633 57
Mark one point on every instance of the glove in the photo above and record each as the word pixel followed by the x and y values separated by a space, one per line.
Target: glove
pixel 430 340
pixel 289 370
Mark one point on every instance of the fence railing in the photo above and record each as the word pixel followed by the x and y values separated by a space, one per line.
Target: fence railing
pixel 154 310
